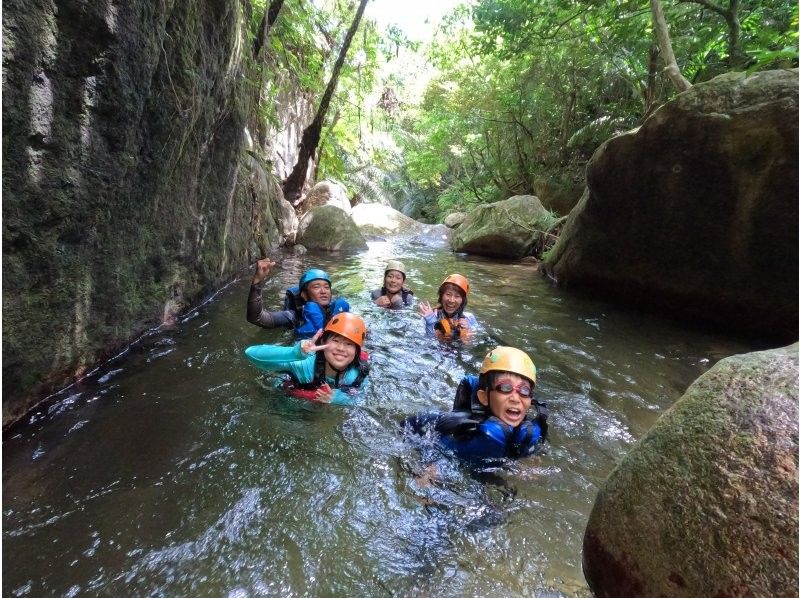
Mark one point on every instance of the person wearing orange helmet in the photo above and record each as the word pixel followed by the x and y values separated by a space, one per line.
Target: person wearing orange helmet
pixel 494 414
pixel 329 372
pixel 394 293
pixel 448 320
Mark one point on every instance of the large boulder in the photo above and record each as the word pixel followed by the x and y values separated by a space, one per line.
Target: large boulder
pixel 706 504
pixel 560 192
pixel 378 219
pixel 330 229
pixel 696 211
pixel 287 221
pixel 454 219
pixel 507 229
pixel 327 193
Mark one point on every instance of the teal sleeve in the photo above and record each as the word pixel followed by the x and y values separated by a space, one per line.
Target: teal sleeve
pixel 341 398
pixel 277 358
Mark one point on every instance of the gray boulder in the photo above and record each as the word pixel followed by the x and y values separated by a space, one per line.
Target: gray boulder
pixel 287 221
pixel 378 219
pixel 695 213
pixel 455 219
pixel 706 504
pixel 330 229
pixel 505 229
pixel 327 193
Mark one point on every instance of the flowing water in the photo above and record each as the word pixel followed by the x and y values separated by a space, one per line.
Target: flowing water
pixel 177 469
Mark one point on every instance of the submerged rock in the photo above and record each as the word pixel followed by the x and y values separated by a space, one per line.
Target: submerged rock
pixel 706 504
pixel 433 235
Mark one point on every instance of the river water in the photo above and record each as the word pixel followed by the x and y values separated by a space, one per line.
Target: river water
pixel 178 470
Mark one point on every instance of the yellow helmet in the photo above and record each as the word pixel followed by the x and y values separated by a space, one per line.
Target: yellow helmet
pixel 509 359
pixel 350 326
pixel 396 265
pixel 460 281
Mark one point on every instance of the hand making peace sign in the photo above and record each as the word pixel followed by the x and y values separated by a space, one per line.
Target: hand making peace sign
pixel 310 345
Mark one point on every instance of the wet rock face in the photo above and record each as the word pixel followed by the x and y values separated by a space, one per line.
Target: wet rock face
pixel 706 504
pixel 122 129
pixel 695 213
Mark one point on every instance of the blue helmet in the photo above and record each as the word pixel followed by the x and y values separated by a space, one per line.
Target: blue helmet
pixel 313 274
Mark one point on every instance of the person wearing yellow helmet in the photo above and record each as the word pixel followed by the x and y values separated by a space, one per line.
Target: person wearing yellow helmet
pixel 449 320
pixel 491 416
pixel 330 372
pixel 394 293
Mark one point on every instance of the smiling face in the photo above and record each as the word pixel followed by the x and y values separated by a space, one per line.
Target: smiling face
pixel 393 281
pixel 510 408
pixel 340 351
pixel 451 298
pixel 318 291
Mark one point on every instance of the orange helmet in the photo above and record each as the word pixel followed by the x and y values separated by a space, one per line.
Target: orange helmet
pixel 348 325
pixel 509 359
pixel 460 281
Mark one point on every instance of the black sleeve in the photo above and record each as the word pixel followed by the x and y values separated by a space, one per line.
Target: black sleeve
pixel 256 314
pixel 458 424
pixel 421 423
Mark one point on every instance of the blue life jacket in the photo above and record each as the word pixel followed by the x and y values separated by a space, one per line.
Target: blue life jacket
pixel 293 301
pixel 472 432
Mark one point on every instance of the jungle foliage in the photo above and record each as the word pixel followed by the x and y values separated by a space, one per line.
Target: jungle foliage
pixel 517 90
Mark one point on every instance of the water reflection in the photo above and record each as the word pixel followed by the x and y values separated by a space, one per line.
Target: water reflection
pixel 178 469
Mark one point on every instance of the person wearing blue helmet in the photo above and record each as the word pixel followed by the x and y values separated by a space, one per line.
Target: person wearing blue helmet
pixel 307 307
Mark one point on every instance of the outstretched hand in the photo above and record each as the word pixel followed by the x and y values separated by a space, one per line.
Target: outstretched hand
pixel 425 309
pixel 262 270
pixel 324 394
pixel 310 345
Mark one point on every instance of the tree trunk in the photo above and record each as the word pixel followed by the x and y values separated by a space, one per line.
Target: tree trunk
pixel 257 123
pixel 736 57
pixel 650 89
pixel 270 15
pixel 293 185
pixel 662 33
pixel 566 117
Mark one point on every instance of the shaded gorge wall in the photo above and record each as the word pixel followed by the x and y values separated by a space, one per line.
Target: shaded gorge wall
pixel 127 194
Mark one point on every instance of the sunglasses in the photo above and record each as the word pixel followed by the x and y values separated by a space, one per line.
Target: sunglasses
pixel 523 389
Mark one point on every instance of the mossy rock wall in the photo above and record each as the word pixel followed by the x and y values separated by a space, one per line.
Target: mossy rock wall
pixel 124 197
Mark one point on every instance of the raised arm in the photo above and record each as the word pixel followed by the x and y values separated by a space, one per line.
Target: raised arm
pixel 256 314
